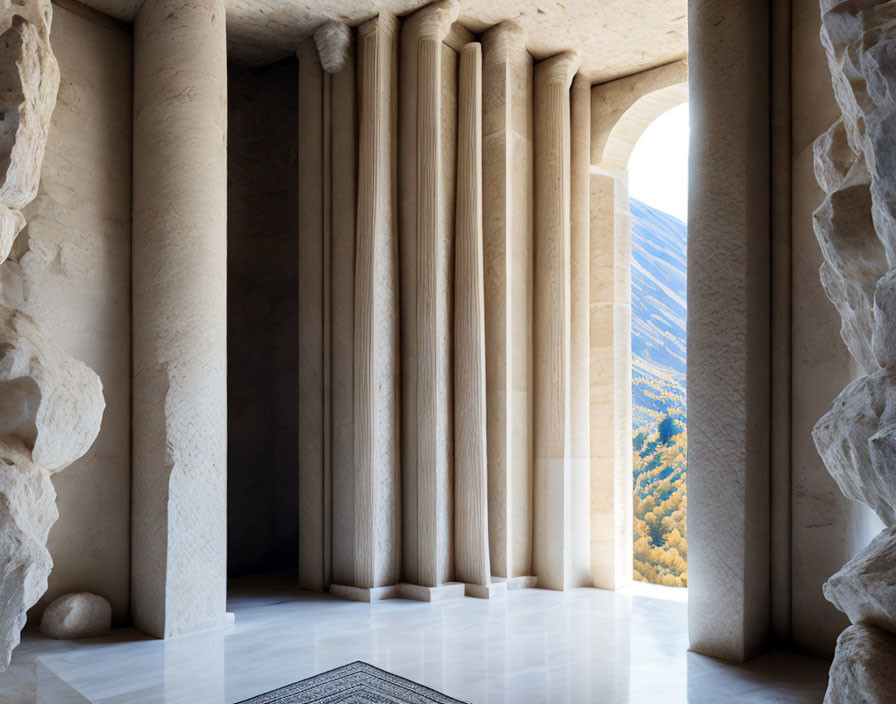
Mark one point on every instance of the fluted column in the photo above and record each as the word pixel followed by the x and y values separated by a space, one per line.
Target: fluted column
pixel 337 56
pixel 179 531
pixel 470 479
pixel 377 472
pixel 553 549
pixel 580 339
pixel 508 253
pixel 314 324
pixel 427 205
pixel 327 200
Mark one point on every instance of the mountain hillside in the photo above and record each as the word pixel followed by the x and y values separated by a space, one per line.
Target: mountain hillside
pixel 659 401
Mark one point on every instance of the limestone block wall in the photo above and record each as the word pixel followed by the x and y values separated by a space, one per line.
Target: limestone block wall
pixel 262 323
pixel 72 273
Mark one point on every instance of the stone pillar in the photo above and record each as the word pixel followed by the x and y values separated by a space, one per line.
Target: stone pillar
pixel 470 472
pixel 377 469
pixel 327 152
pixel 508 253
pixel 728 329
pixel 179 531
pixel 315 479
pixel 553 549
pixel 580 323
pixel 337 57
pixel 426 162
pixel 611 380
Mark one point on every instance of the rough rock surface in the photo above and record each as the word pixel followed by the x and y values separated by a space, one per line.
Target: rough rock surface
pixel 81 615
pixel 857 442
pixel 865 588
pixel 855 163
pixel 854 257
pixel 864 667
pixel 51 405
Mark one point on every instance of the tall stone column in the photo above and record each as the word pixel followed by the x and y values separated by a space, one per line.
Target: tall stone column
pixel 728 329
pixel 377 470
pixel 179 531
pixel 507 171
pixel 556 562
pixel 426 161
pixel 580 324
pixel 470 473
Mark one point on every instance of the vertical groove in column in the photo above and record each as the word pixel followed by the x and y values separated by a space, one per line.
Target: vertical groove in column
pixel 507 250
pixel 425 246
pixel 179 255
pixel 313 547
pixel 376 411
pixel 552 549
pixel 470 480
pixel 580 339
pixel 343 177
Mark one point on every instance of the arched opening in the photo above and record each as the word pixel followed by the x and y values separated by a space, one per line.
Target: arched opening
pixel 622 111
pixel 658 202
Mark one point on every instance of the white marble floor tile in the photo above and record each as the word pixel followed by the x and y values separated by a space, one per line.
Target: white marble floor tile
pixel 531 645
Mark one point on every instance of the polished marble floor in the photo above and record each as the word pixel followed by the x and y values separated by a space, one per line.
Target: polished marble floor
pixel 532 645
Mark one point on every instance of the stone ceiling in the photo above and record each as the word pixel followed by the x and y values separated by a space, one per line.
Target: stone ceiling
pixel 615 37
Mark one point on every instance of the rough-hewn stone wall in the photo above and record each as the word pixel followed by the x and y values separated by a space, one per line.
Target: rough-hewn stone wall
pixel 856 230
pixel 51 405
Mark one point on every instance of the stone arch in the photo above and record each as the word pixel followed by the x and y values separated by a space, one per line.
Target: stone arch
pixel 620 112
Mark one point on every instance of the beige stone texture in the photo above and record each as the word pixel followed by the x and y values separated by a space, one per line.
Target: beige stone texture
pixel 81 615
pixel 427 158
pixel 471 547
pixel 622 37
pixel 50 414
pixel 728 330
pixel 70 271
pixel 610 382
pixel 179 259
pixel 315 371
pixel 580 331
pixel 52 405
pixel 343 179
pixel 508 268
pixel 558 560
pixel 622 109
pixel 377 466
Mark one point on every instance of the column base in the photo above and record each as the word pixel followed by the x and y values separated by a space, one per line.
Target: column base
pixel 527 582
pixel 415 592
pixel 498 587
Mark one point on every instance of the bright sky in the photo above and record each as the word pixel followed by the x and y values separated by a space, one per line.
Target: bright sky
pixel 658 166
